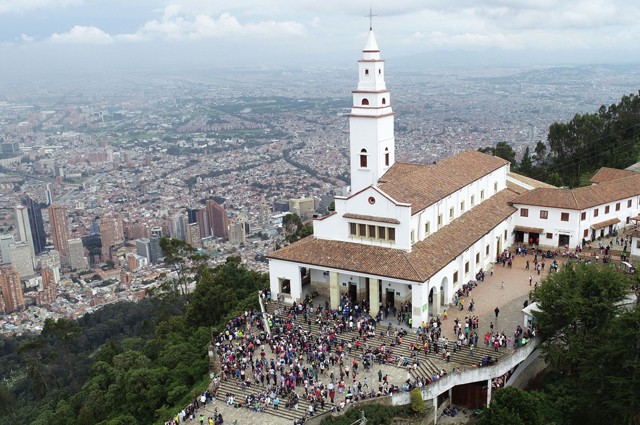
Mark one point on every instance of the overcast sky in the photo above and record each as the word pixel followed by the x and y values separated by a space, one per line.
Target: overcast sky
pixel 43 34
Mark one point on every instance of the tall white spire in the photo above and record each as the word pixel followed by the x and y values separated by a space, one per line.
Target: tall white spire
pixel 371 120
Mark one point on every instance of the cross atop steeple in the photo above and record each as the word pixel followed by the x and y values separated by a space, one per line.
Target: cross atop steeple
pixel 370 16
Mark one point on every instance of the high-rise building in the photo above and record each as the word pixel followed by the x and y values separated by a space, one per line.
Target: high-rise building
pixel 218 220
pixel 193 235
pixel 21 258
pixel 59 229
pixel 11 294
pixel 49 194
pixel 24 228
pixel 156 250
pixel 48 292
pixel 36 223
pixel 192 215
pixel 237 233
pixel 202 218
pixel 135 261
pixel 134 231
pixel 143 248
pixel 156 231
pixel 5 242
pixel 77 260
pixel 178 227
pixel 304 207
pixel 111 234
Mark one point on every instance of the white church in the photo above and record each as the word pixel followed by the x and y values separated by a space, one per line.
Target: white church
pixel 417 233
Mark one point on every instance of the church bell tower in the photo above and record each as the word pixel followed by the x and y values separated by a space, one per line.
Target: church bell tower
pixel 371 128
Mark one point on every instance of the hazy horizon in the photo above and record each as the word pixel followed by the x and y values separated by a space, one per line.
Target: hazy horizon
pixel 40 37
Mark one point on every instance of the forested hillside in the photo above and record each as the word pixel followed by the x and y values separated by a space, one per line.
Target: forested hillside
pixel 575 150
pixel 126 363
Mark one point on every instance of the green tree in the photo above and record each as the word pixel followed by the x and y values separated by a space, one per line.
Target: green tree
pixel 294 228
pixel 574 305
pixel 502 150
pixel 591 338
pixel 540 150
pixel 526 164
pixel 176 253
pixel 505 151
pixel 511 405
pixel 417 403
pixel 554 179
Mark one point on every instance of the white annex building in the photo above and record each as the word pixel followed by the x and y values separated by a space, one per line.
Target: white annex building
pixel 417 233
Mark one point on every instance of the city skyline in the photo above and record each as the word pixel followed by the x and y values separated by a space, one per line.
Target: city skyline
pixel 50 35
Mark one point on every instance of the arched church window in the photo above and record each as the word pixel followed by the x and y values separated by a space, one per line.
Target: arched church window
pixel 384 101
pixel 365 102
pixel 363 158
pixel 386 157
pixel 366 72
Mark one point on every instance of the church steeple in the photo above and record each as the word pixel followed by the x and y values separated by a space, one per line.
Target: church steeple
pixel 371 120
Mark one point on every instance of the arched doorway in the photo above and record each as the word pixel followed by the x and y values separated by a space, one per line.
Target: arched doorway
pixel 445 292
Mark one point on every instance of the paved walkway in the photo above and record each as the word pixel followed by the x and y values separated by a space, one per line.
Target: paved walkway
pixel 487 295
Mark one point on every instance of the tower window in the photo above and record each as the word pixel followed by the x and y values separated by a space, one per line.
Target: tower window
pixel 379 72
pixel 386 157
pixel 384 101
pixel 363 158
pixel 365 102
pixel 366 72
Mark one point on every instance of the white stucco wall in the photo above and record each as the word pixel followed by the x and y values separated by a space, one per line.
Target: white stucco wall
pixel 285 270
pixel 336 227
pixel 575 227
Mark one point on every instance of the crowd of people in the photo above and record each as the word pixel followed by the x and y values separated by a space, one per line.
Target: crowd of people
pixel 327 358
pixel 294 362
pixel 190 412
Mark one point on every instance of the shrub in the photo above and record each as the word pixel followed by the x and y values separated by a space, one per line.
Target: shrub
pixel 417 403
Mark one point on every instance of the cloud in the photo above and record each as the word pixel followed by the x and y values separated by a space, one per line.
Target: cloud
pixel 82 35
pixel 179 23
pixel 174 25
pixel 26 38
pixel 21 6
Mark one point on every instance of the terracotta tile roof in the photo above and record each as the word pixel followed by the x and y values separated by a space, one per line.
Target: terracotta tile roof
pixel 515 188
pixel 583 197
pixel 372 218
pixel 605 223
pixel 607 174
pixel 423 185
pixel 529 181
pixel 426 258
pixel 528 229
pixel 400 169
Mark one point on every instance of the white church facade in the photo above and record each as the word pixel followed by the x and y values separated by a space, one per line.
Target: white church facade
pixel 414 232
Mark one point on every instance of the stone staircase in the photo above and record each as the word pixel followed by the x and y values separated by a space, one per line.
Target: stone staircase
pixel 428 364
pixel 241 392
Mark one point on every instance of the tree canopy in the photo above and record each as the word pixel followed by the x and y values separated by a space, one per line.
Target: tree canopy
pixel 125 363
pixel 591 339
pixel 575 150
pixel 294 228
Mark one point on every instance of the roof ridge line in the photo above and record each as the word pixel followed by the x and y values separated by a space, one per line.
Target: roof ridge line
pixel 573 195
pixel 404 255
